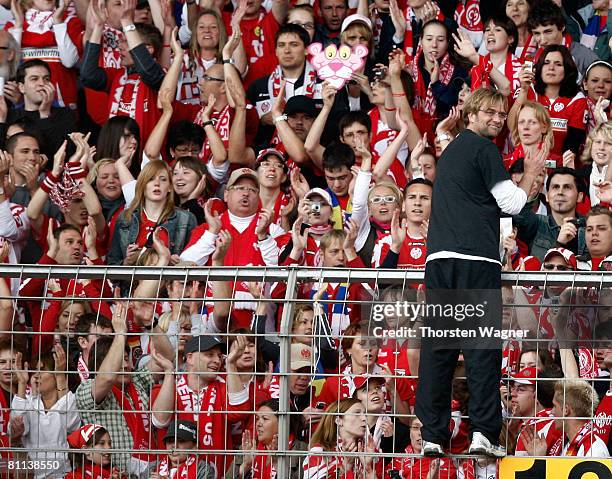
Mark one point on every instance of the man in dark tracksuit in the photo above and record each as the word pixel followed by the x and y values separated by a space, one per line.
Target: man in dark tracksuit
pixel 463 260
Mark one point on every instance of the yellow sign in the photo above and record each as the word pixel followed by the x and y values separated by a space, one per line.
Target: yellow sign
pixel 555 468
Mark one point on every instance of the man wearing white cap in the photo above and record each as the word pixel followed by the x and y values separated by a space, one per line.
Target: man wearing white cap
pixel 251 231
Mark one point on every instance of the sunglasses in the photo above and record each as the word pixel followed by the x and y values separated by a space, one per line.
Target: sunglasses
pixel 558 267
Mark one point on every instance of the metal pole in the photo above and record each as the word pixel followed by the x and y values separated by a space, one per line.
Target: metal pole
pixel 283 463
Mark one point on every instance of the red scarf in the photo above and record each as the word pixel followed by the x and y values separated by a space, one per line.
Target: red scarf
pixel 186 470
pixel 82 369
pixel 408 35
pixel 424 97
pixel 111 55
pixel 468 17
pixel 90 471
pixel 201 406
pixel 222 121
pixel 480 73
pixel 574 446
pixel 136 419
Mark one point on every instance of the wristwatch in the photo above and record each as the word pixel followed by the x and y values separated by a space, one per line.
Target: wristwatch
pixel 129 28
pixel 444 136
pixel 229 62
pixel 280 118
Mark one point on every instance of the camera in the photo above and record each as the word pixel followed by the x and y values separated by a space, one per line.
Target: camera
pixel 315 208
pixel 578 222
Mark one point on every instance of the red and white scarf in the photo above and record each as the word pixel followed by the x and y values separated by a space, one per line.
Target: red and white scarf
pixel 532 52
pixel 201 406
pixel 222 121
pixel 136 418
pixel 425 100
pixel 480 73
pixel 574 446
pixel 111 55
pixel 307 88
pixel 186 470
pixel 40 22
pixel 82 369
pixel 409 15
pixel 467 16
pixel 127 94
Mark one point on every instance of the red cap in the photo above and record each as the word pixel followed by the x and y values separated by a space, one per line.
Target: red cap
pixel 526 376
pixel 567 255
pixel 79 438
pixel 361 381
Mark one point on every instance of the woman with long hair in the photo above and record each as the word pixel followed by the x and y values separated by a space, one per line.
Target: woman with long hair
pixel 597 158
pixel 205 47
pixel 518 12
pixel 152 208
pixel 342 429
pixel 192 186
pixel 554 85
pixel 499 65
pixel 433 69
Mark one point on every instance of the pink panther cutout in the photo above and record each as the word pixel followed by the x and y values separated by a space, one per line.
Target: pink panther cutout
pixel 336 65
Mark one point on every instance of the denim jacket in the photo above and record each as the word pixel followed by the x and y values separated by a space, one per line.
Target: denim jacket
pixel 540 232
pixel 179 226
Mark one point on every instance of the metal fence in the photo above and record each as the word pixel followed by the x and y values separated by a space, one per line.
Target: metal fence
pixel 375 282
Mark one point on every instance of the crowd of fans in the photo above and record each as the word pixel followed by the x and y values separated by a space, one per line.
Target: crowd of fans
pixel 198 133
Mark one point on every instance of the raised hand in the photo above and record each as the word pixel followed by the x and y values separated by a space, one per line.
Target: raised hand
pixel 465 48
pixel 17 11
pixel 163 253
pixel 176 46
pixel 127 12
pixel 98 13
pixel 58 160
pixel 279 101
pixel 221 247
pixel 59 358
pixel 237 349
pixel 163 363
pixel 569 158
pixel 399 22
pixel 51 241
pixel 21 369
pixel 398 231
pixel 329 94
pixel 263 224
pixel 209 108
pixel 233 41
pixel 119 319
pixel 299 239
pixel 299 185
pixel 212 219
pixel 48 95
pixel 351 228
pixel 397 60
pixel 165 99
pixel 450 122
pixel 90 234
pixel 58 14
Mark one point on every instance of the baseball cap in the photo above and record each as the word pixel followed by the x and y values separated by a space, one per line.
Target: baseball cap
pixel 270 151
pixel 363 380
pixel 355 17
pixel 78 439
pixel 242 173
pixel 320 192
pixel 301 356
pixel 526 376
pixel 303 104
pixel 200 344
pixel 566 254
pixel 185 430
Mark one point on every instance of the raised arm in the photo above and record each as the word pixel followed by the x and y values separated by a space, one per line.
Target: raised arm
pixel 68 53
pixel 293 145
pixel 38 201
pixel 397 62
pixel 92 74
pixel 279 10
pixel 113 362
pixel 526 78
pixel 313 140
pixel 158 135
pixel 217 148
pixel 221 289
pixel 384 163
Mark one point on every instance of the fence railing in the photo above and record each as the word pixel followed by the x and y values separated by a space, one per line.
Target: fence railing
pixel 293 279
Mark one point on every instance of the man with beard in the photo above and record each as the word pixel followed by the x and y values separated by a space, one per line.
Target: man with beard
pixel 562 226
pixel 472 188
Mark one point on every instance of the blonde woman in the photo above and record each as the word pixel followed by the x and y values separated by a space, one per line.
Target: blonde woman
pixel 152 208
pixel 597 157
pixel 104 179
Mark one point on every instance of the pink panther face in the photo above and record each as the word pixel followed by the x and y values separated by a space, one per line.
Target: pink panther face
pixel 336 65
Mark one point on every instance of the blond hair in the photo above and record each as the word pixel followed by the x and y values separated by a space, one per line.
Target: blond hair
pixel 328 238
pixel 194 48
pixel 541 114
pixel 578 395
pixel 603 129
pixel 92 176
pixel 147 174
pixel 399 197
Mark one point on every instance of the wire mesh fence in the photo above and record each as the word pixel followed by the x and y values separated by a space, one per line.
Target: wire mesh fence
pixel 279 372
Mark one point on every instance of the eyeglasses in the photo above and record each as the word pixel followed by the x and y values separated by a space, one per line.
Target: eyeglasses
pixel 183 150
pixel 209 78
pixel 494 113
pixel 266 164
pixel 558 267
pixel 307 25
pixel 243 189
pixel 383 199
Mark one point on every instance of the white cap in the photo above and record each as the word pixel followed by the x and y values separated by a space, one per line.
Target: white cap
pixel 355 17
